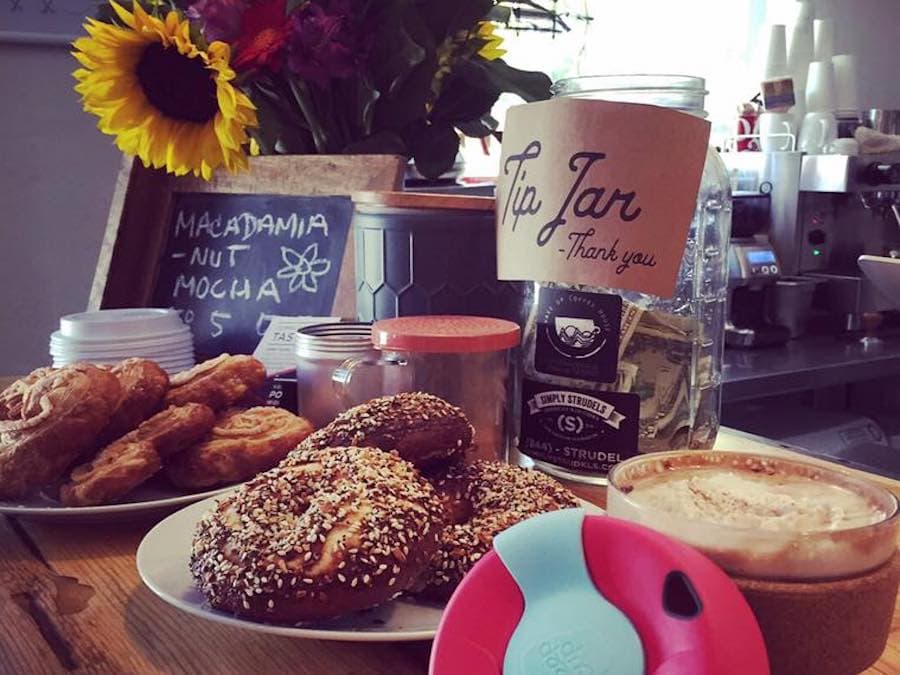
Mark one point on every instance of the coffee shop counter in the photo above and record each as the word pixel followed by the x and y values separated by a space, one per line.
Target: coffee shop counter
pixel 811 362
pixel 72 601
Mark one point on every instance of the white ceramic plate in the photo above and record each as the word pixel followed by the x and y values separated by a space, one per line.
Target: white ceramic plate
pixel 153 497
pixel 163 563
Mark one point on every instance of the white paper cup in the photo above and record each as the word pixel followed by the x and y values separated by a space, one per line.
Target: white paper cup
pixel 823 39
pixel 776 131
pixel 846 83
pixel 818 133
pixel 820 87
pixel 801 51
pixel 776 56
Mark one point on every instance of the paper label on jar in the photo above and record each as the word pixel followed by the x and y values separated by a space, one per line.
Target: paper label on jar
pixel 580 430
pixel 598 193
pixel 578 334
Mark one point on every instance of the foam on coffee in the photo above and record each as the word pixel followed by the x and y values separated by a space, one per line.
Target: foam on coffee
pixel 758 516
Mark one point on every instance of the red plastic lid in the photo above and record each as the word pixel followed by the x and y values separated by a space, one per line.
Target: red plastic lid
pixel 446 334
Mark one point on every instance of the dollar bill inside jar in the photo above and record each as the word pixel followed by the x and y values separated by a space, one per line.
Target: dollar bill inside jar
pixel 662 396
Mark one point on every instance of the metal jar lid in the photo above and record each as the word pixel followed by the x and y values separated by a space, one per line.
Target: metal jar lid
pixel 333 340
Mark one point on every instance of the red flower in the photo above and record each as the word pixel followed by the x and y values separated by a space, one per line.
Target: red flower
pixel 220 19
pixel 325 41
pixel 264 31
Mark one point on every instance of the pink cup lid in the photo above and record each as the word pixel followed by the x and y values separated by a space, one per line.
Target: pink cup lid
pixel 445 334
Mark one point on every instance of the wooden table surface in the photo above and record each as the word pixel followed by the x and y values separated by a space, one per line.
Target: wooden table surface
pixel 72 601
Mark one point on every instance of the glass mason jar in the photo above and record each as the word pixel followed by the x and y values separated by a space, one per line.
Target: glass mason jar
pixel 671 348
pixel 463 359
pixel 320 351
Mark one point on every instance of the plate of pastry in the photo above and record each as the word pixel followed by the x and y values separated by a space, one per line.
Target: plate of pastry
pixel 154 497
pixel 87 442
pixel 360 534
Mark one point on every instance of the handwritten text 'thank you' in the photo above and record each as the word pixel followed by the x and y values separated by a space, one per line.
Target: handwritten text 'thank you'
pixel 581 201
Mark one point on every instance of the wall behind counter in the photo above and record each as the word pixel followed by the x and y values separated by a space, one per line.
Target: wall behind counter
pixel 58 174
pixel 870 29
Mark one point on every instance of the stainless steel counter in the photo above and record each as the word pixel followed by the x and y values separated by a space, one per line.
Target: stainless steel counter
pixel 807 363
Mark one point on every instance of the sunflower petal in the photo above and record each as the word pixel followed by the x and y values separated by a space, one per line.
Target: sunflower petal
pixel 124 15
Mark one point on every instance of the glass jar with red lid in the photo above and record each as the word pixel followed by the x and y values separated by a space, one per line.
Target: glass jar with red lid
pixel 462 359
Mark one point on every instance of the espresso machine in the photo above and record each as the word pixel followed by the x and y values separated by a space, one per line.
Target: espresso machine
pixel 753 271
pixel 847 206
pixel 764 202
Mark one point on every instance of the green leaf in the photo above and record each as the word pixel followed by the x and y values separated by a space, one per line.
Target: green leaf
pixel 530 85
pixel 499 14
pixel 354 99
pixel 278 131
pixel 403 43
pixel 405 98
pixel 468 94
pixel 381 143
pixel 446 17
pixel 306 104
pixel 291 5
pixel 434 148
pixel 480 128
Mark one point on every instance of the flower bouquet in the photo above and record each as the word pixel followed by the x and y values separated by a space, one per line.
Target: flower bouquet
pixel 194 86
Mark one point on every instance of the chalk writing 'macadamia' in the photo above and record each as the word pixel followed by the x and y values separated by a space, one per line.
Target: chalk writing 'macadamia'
pixel 247 225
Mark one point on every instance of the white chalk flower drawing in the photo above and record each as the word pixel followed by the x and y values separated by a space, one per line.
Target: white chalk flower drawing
pixel 303 269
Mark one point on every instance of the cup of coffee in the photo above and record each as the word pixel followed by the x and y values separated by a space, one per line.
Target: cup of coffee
pixel 813 549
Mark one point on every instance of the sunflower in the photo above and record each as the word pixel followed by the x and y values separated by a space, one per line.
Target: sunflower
pixel 164 98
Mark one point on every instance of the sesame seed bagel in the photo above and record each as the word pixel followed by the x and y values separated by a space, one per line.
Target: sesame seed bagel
pixel 421 428
pixel 325 533
pixel 482 500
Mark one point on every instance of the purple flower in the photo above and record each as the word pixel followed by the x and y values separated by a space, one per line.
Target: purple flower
pixel 325 41
pixel 220 19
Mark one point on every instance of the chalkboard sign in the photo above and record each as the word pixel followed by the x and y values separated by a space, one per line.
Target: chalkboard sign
pixel 231 252
pixel 232 261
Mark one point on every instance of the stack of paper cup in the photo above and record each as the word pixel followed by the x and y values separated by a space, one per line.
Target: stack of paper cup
pixel 823 39
pixel 820 94
pixel 846 95
pixel 819 129
pixel 801 52
pixel 776 56
pixel 108 336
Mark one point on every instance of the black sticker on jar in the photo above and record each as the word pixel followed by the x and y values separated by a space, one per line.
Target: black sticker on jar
pixel 578 334
pixel 579 430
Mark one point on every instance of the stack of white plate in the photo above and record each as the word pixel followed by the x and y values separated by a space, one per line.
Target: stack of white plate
pixel 108 336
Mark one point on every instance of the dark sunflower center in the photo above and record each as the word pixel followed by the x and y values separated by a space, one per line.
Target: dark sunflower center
pixel 177 86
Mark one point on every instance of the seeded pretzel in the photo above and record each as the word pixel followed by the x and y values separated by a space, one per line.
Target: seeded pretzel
pixel 421 428
pixel 484 499
pixel 325 533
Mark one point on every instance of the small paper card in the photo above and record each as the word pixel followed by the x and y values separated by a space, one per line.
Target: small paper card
pixel 276 348
pixel 598 193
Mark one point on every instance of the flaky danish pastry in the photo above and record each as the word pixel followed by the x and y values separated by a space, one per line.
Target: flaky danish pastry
pixel 57 415
pixel 240 445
